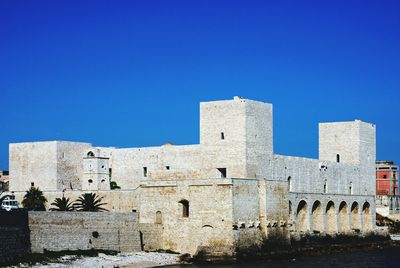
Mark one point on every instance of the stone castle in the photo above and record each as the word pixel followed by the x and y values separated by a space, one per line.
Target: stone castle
pixel 228 193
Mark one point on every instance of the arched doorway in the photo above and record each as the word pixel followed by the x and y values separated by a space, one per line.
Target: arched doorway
pixel 355 217
pixel 317 217
pixel 302 217
pixel 331 219
pixel 366 212
pixel 343 218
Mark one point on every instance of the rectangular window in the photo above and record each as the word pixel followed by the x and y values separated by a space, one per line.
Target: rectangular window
pixel 222 172
pixel 167 167
pixel 144 171
pixel 222 136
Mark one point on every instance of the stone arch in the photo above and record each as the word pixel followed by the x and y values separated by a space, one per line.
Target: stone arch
pixel 317 217
pixel 331 219
pixel 302 223
pixel 343 218
pixel 159 217
pixel 366 213
pixel 355 217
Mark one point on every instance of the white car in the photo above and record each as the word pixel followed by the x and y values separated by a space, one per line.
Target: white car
pixel 9 204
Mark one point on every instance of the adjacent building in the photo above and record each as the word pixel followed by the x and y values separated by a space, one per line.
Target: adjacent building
pixel 387 188
pixel 4 180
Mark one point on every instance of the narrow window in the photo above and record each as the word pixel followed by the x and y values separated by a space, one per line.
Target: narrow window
pixel 32 184
pixel 144 171
pixel 325 188
pixel 338 158
pixel 222 172
pixel 185 208
pixel 158 217
pixel 222 136
pixel 289 180
pixel 167 167
pixel 351 188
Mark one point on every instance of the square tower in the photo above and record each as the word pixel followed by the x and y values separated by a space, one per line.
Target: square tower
pixel 351 143
pixel 237 136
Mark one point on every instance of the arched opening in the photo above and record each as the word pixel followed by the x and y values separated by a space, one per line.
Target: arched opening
pixel 355 217
pixel 159 217
pixel 90 154
pixel 302 217
pixel 343 218
pixel 366 212
pixel 184 208
pixel 317 217
pixel 289 181
pixel 331 221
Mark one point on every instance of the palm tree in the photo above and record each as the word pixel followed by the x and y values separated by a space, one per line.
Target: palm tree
pixel 90 202
pixel 34 199
pixel 62 204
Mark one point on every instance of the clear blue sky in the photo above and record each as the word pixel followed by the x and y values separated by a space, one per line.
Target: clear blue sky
pixel 132 73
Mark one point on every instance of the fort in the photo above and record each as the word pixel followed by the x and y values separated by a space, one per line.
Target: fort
pixel 228 193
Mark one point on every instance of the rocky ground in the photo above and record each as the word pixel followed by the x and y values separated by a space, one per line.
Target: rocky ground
pixel 134 260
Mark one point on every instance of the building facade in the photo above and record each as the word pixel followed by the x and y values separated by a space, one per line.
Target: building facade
pixel 4 180
pixel 387 188
pixel 228 193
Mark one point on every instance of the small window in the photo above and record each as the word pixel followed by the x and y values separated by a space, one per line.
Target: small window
pixel 289 180
pixel 351 188
pixel 158 217
pixel 222 172
pixel 338 158
pixel 385 176
pixel 144 171
pixel 102 166
pixel 222 136
pixel 90 181
pixel 325 188
pixel 167 167
pixel 32 184
pixel 90 154
pixel 103 180
pixel 185 208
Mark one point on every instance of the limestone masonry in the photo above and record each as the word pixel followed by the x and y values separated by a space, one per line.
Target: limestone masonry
pixel 227 194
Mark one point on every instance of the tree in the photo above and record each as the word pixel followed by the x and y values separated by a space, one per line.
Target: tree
pixel 34 199
pixel 62 204
pixel 90 202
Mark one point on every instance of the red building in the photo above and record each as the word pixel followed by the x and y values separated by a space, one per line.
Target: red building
pixel 387 179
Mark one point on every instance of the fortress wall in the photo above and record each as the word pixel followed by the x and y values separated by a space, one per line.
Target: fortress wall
pixel 209 222
pixel 58 231
pixel 183 161
pixel 315 176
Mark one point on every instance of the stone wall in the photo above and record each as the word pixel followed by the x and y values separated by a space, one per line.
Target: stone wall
pixel 151 236
pixel 58 231
pixel 14 234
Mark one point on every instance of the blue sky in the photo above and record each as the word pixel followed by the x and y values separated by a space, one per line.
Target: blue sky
pixel 132 73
